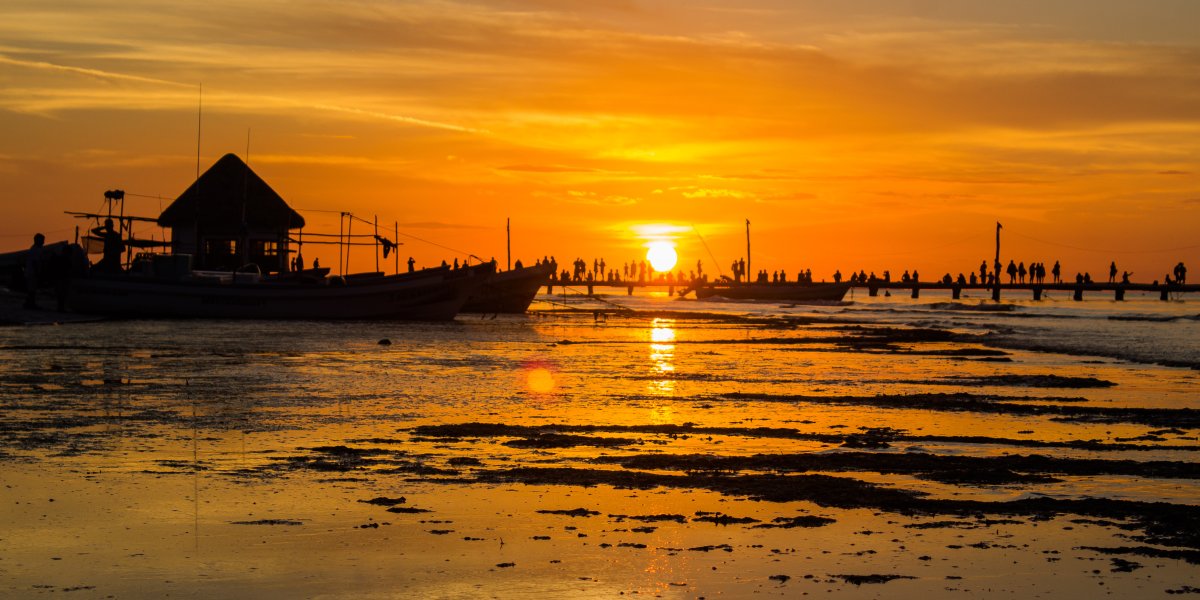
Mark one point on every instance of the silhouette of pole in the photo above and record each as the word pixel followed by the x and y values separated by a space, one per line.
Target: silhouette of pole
pixel 508 240
pixel 996 288
pixel 748 270
pixel 376 242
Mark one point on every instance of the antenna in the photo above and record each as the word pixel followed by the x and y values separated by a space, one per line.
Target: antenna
pixel 245 187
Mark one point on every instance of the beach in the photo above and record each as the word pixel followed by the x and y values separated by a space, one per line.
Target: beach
pixel 627 446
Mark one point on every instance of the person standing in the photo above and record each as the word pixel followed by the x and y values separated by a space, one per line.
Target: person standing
pixel 110 262
pixel 33 264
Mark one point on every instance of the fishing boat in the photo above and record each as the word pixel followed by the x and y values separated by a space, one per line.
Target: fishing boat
pixel 775 292
pixel 779 291
pixel 509 292
pixel 172 291
pixel 231 256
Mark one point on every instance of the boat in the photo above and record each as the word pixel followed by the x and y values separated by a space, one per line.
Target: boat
pixel 777 291
pixel 232 256
pixel 167 292
pixel 509 292
pixel 786 291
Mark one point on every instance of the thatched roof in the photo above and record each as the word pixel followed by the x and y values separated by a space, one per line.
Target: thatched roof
pixel 225 190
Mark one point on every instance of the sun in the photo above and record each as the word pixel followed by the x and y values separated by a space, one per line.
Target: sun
pixel 662 256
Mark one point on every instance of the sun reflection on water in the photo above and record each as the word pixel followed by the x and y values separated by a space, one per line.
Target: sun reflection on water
pixel 662 356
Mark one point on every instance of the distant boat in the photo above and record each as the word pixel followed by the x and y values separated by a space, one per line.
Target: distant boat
pixel 509 292
pixel 169 292
pixel 794 292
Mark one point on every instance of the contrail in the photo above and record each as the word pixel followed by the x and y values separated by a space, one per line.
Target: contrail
pixel 37 64
pixel 326 107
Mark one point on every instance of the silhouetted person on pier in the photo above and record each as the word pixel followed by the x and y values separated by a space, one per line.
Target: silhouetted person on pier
pixel 905 278
pixel 1012 272
pixel 317 263
pixel 411 264
pixel 1180 273
pixel 983 271
pixel 916 277
pixel 1057 272
pixel 110 262
pixel 1125 277
pixel 1112 272
pixel 1021 272
pixel 33 268
pixel 974 280
pixel 837 276
pixel 1087 278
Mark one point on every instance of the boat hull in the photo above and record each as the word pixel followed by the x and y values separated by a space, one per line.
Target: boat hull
pixel 510 292
pixel 789 292
pixel 436 295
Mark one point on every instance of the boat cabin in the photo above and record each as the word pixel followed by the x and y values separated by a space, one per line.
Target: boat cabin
pixel 230 218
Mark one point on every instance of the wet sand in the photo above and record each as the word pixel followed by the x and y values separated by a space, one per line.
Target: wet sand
pixel 676 454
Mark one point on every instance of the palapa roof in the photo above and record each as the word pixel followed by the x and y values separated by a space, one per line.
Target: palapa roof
pixel 217 199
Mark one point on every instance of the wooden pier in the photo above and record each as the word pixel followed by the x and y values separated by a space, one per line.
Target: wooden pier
pixel 1037 290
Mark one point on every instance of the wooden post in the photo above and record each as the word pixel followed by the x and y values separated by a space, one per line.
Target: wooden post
pixel 1163 294
pixel 1078 294
pixel 1119 295
pixel 996 285
pixel 670 290
pixel 916 291
pixel 872 291
pixel 629 291
pixel 956 292
pixel 748 269
pixel 1037 292
pixel 589 289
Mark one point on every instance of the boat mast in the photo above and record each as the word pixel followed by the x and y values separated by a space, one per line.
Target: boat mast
pixel 747 251
pixel 376 243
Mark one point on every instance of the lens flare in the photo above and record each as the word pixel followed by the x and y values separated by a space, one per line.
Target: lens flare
pixel 540 380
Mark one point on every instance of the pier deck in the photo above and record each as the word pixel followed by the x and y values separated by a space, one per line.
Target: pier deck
pixel 1037 290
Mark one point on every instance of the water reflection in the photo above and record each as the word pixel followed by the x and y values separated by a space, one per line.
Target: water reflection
pixel 662 356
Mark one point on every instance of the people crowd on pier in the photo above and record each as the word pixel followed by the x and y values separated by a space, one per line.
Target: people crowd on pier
pixel 1019 273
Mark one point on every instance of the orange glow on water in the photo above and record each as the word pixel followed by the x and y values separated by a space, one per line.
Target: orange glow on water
pixel 540 380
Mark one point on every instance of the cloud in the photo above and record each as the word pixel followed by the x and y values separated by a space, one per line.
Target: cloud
pixel 717 193
pixel 546 169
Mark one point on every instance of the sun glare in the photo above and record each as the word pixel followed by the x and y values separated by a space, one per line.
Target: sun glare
pixel 662 256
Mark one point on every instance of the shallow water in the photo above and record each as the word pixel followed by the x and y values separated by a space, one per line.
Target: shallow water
pixel 233 459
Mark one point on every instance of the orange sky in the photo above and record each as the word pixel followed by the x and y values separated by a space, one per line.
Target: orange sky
pixel 862 134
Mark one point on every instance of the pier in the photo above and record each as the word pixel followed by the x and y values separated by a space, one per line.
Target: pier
pixel 1035 290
